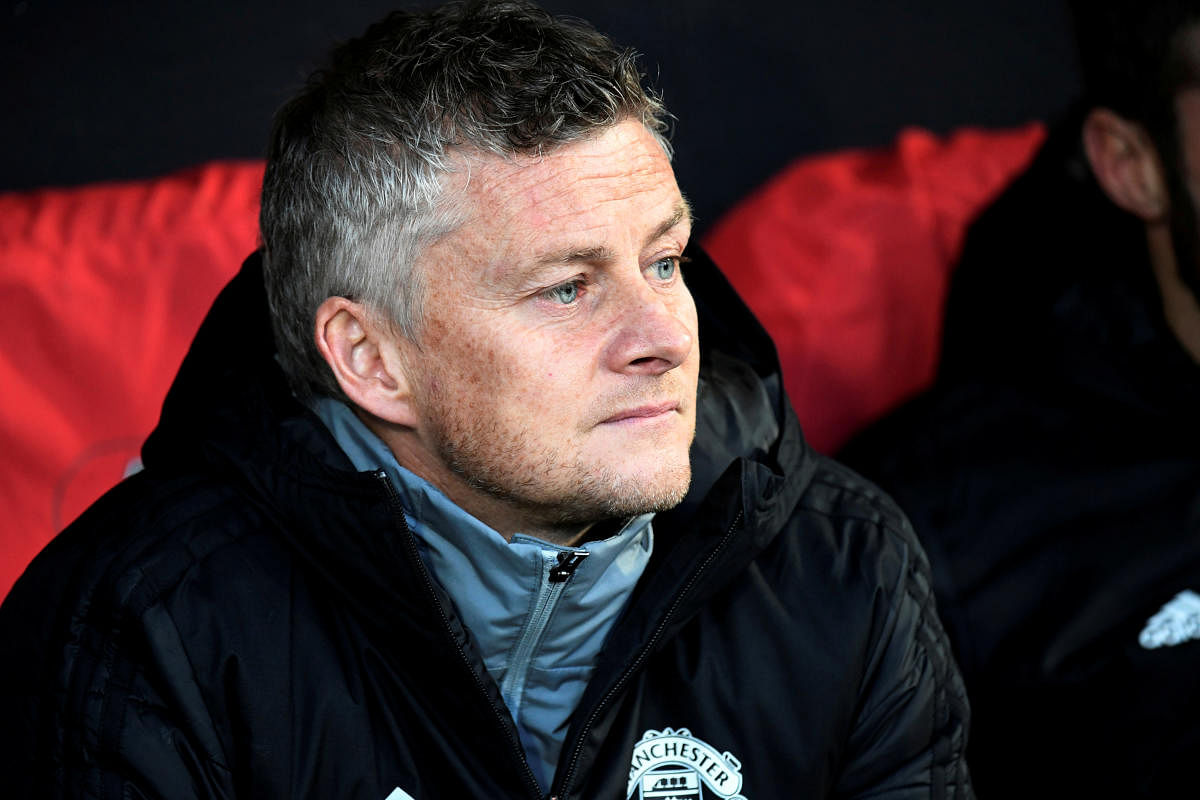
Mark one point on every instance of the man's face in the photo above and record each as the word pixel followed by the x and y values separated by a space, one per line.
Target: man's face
pixel 555 370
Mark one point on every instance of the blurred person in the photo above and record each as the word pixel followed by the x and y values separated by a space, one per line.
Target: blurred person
pixel 1053 469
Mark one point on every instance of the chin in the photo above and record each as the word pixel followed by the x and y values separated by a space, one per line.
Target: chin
pixel 660 487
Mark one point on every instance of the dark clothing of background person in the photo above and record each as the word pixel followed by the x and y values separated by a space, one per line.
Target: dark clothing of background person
pixel 250 617
pixel 1053 475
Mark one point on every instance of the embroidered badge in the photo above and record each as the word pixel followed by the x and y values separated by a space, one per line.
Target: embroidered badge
pixel 674 765
pixel 1177 622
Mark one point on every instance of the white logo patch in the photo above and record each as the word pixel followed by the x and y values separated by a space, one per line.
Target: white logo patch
pixel 1176 623
pixel 672 765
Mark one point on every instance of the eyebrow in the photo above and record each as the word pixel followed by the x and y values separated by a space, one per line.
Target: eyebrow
pixel 682 211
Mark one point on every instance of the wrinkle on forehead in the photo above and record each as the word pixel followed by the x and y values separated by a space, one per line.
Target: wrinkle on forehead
pixel 495 181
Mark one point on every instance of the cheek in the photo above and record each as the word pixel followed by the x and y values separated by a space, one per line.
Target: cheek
pixel 489 373
pixel 509 370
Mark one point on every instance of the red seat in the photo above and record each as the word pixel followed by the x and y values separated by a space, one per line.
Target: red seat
pixel 102 288
pixel 845 257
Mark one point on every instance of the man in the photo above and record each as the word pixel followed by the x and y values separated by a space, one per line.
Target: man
pixel 1052 471
pixel 504 508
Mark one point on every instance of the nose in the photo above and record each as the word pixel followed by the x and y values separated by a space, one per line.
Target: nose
pixel 654 331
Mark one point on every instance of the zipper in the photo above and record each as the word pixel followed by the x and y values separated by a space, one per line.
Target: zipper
pixel 410 542
pixel 636 664
pixel 568 562
pixel 556 577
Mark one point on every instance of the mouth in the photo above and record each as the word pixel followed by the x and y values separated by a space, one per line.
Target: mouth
pixel 649 413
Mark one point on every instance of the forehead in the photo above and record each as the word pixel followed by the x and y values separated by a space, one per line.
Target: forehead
pixel 618 183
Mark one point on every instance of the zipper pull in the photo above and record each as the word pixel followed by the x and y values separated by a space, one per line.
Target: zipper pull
pixel 568 561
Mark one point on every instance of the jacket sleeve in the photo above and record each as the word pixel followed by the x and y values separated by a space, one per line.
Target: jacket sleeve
pixel 97 701
pixel 910 735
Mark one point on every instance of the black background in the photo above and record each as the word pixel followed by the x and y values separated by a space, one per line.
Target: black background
pixel 115 90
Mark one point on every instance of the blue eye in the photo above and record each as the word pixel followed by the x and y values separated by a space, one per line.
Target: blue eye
pixel 664 268
pixel 565 293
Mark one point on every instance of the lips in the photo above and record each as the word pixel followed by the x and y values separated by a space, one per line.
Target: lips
pixel 649 411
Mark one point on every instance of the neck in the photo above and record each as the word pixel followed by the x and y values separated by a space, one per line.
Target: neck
pixel 503 515
pixel 1180 306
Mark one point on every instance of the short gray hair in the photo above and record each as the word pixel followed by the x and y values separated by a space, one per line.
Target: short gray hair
pixel 357 160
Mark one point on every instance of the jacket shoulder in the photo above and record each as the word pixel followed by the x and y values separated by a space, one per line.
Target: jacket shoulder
pixel 103 622
pixel 839 491
pixel 867 591
pixel 148 530
pixel 849 515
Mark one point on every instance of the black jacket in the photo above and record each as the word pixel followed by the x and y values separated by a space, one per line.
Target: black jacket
pixel 249 617
pixel 1053 474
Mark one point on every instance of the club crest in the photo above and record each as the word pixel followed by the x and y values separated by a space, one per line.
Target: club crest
pixel 674 765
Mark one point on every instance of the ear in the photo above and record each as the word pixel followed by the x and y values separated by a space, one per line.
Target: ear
pixel 365 359
pixel 1126 164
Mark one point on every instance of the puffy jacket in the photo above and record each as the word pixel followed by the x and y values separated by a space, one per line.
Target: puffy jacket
pixel 249 617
